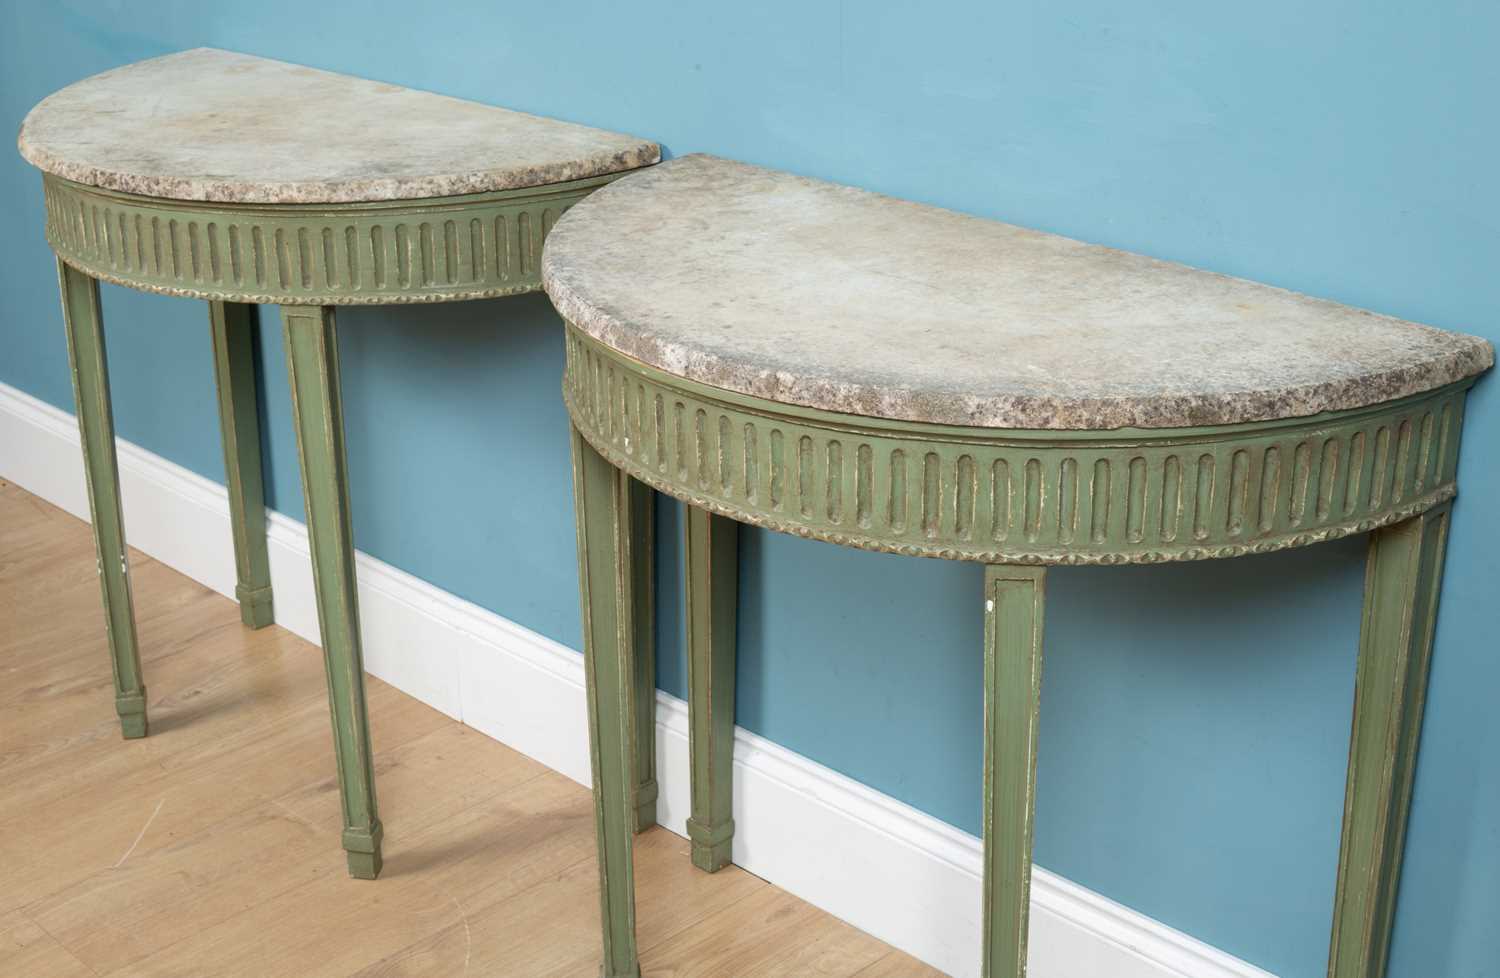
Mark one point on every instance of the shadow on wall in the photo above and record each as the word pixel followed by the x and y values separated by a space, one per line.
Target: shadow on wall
pixel 1188 714
pixel 1194 717
pixel 1175 697
pixel 458 449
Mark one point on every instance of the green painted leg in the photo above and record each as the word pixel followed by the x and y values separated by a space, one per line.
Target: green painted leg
pixel 1402 578
pixel 713 589
pixel 1013 601
pixel 85 329
pixel 234 374
pixel 313 366
pixel 602 501
pixel 640 514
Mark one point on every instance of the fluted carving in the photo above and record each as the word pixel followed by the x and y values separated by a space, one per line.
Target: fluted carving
pixel 1010 496
pixel 387 252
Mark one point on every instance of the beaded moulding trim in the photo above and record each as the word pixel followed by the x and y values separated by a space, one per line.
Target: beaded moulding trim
pixel 377 253
pixel 1011 496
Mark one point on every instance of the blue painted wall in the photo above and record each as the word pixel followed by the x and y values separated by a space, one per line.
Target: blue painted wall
pixel 1191 760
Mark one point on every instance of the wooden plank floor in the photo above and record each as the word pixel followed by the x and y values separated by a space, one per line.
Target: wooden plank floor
pixel 211 848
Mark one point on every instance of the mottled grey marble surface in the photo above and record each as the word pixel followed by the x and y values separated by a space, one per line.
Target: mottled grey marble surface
pixel 218 126
pixel 825 296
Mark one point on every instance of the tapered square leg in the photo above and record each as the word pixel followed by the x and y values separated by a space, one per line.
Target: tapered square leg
pixel 1013 605
pixel 84 324
pixel 313 367
pixel 234 375
pixel 1402 578
pixel 610 603
pixel 640 515
pixel 712 593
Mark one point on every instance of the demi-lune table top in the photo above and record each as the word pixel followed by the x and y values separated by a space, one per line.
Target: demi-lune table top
pixel 210 125
pixel 825 296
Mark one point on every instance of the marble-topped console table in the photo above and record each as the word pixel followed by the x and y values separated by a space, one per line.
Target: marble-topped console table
pixel 828 362
pixel 241 180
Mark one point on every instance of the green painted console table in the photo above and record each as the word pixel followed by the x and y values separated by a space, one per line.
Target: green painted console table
pixel 241 180
pixel 839 365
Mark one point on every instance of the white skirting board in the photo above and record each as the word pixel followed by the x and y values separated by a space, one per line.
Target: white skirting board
pixel 899 874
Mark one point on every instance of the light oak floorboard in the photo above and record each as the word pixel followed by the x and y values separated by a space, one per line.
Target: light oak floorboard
pixel 897 964
pixel 26 949
pixel 211 848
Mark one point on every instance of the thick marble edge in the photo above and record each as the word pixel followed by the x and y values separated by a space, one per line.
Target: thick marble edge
pixel 609 236
pixel 86 133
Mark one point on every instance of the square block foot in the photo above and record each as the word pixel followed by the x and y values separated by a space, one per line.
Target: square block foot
pixel 711 844
pixel 632 973
pixel 645 817
pixel 133 726
pixel 256 610
pixel 364 865
pixel 711 859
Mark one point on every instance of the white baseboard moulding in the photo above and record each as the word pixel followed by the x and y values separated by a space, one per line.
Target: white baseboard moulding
pixel 901 875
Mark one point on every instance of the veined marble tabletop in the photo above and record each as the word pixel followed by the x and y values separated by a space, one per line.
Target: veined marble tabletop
pixel 830 297
pixel 214 125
